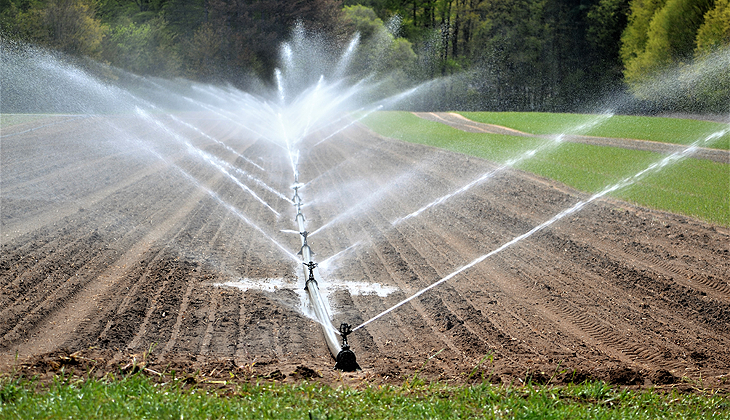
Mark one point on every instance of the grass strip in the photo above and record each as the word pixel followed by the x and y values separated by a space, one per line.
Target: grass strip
pixel 138 397
pixel 8 120
pixel 666 130
pixel 697 188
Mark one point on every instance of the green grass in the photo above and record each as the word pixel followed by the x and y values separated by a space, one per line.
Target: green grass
pixel 698 188
pixel 137 397
pixel 667 130
pixel 7 120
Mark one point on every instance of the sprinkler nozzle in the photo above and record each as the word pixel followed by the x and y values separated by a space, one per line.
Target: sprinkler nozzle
pixel 311 265
pixel 304 234
pixel 346 360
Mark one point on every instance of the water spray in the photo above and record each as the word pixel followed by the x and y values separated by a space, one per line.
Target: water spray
pixel 626 182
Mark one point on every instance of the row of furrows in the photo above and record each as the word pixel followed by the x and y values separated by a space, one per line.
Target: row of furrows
pixel 715 285
pixel 26 308
pixel 25 160
pixel 202 305
pixel 714 314
pixel 467 230
pixel 435 249
pixel 42 242
pixel 637 350
pixel 152 215
pixel 683 232
pixel 150 309
pixel 51 280
pixel 25 270
pixel 168 305
pixel 67 151
pixel 624 345
pixel 649 251
pixel 61 194
pixel 423 252
pixel 599 326
pixel 372 266
pixel 217 238
pixel 674 312
pixel 85 167
pixel 451 309
pixel 249 323
pixel 224 323
pixel 439 312
pixel 126 312
pixel 664 295
pixel 108 177
pixel 473 331
pixel 38 122
pixel 630 348
pixel 608 335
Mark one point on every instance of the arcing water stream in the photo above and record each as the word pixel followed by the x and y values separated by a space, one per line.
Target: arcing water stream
pixel 654 167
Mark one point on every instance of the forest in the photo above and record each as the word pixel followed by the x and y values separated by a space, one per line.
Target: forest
pixel 526 55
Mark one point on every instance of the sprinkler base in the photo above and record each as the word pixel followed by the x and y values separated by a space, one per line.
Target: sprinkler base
pixel 346 361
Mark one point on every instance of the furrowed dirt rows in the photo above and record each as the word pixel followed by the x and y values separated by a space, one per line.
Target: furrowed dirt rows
pixel 116 242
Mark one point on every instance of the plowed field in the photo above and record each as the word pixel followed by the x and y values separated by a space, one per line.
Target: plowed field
pixel 114 256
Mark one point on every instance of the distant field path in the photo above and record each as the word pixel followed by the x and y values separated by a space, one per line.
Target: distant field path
pixel 462 123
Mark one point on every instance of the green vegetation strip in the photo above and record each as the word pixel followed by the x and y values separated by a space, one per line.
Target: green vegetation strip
pixel 666 130
pixel 693 187
pixel 7 120
pixel 137 397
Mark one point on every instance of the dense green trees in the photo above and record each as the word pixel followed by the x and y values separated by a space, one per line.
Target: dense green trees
pixel 661 34
pixel 714 33
pixel 675 53
pixel 501 54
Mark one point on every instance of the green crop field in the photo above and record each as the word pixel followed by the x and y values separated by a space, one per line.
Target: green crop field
pixel 667 130
pixel 7 120
pixel 138 397
pixel 697 188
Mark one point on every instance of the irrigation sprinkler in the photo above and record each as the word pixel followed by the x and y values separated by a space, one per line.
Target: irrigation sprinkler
pixel 345 358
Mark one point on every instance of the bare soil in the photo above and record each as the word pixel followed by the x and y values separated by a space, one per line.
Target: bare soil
pixel 112 261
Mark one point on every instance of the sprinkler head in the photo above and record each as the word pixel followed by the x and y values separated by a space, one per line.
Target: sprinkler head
pixel 346 360
pixel 311 265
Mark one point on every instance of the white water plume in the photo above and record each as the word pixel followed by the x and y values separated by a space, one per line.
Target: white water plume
pixel 211 160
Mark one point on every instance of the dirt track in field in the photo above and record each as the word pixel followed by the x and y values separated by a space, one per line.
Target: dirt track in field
pixel 112 255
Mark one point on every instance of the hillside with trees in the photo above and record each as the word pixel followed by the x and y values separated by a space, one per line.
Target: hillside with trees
pixel 548 55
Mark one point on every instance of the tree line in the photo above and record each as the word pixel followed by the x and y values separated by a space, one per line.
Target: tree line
pixel 551 55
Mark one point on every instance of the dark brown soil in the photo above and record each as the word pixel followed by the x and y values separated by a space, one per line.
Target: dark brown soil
pixel 112 261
